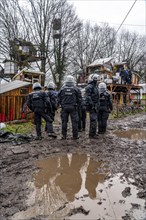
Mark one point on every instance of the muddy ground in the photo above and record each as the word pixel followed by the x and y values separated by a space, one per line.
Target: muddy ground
pixel 123 156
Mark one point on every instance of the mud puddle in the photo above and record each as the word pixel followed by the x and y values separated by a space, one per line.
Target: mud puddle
pixel 134 134
pixel 75 186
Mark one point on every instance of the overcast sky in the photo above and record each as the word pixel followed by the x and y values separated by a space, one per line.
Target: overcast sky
pixel 113 12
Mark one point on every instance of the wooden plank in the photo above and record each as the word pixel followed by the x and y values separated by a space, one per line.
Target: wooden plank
pixel 8 107
pixel 14 109
pixel 1 111
pixel 18 107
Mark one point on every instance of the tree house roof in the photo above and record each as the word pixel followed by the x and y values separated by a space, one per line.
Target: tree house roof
pixel 6 87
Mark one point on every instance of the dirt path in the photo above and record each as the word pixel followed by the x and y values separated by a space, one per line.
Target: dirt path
pixel 123 156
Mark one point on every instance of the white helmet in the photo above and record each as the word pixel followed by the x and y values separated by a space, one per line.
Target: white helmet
pixel 69 80
pixel 36 86
pixel 90 78
pixel 102 87
pixel 51 85
pixel 95 77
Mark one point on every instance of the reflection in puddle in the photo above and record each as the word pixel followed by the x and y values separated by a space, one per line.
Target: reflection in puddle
pixel 71 181
pixel 132 134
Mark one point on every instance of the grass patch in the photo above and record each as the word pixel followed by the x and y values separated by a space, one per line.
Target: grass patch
pixel 22 128
pixel 119 115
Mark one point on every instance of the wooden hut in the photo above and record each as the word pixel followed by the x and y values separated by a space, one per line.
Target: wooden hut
pixel 102 67
pixel 29 75
pixel 139 96
pixel 13 96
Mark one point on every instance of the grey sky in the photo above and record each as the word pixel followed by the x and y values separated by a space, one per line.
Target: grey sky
pixel 113 12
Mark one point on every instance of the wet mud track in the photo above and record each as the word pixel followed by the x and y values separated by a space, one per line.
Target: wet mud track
pixel 122 156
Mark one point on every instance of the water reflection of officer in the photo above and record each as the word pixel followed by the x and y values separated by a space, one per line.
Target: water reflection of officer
pixel 72 174
pixel 48 168
pixel 92 100
pixel 105 107
pixel 70 179
pixel 69 98
pixel 93 178
pixel 38 101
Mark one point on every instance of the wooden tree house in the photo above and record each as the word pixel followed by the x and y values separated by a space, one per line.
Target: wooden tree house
pixel 109 73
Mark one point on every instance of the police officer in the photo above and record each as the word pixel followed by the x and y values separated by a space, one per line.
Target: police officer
pixel 105 107
pixel 38 102
pixel 92 103
pixel 53 99
pixel 82 113
pixel 69 98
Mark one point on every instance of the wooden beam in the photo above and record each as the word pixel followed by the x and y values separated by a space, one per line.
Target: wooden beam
pixel 14 109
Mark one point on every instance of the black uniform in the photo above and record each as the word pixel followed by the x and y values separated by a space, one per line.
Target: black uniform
pixel 123 76
pixel 104 108
pixel 82 115
pixel 54 101
pixel 69 98
pixel 39 102
pixel 92 99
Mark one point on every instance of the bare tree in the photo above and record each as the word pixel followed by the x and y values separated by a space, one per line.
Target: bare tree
pixel 131 47
pixel 9 25
pixel 62 46
pixel 79 44
pixel 35 25
pixel 91 43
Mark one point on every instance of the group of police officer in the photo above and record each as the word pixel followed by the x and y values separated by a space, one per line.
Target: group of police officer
pixel 96 100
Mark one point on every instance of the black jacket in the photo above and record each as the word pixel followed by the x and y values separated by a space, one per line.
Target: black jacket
pixel 69 95
pixel 38 101
pixel 105 102
pixel 92 96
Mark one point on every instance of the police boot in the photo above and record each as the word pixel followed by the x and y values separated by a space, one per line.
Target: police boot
pixel 38 138
pixel 93 136
pixel 52 134
pixel 46 128
pixel 75 138
pixel 104 129
pixel 63 137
